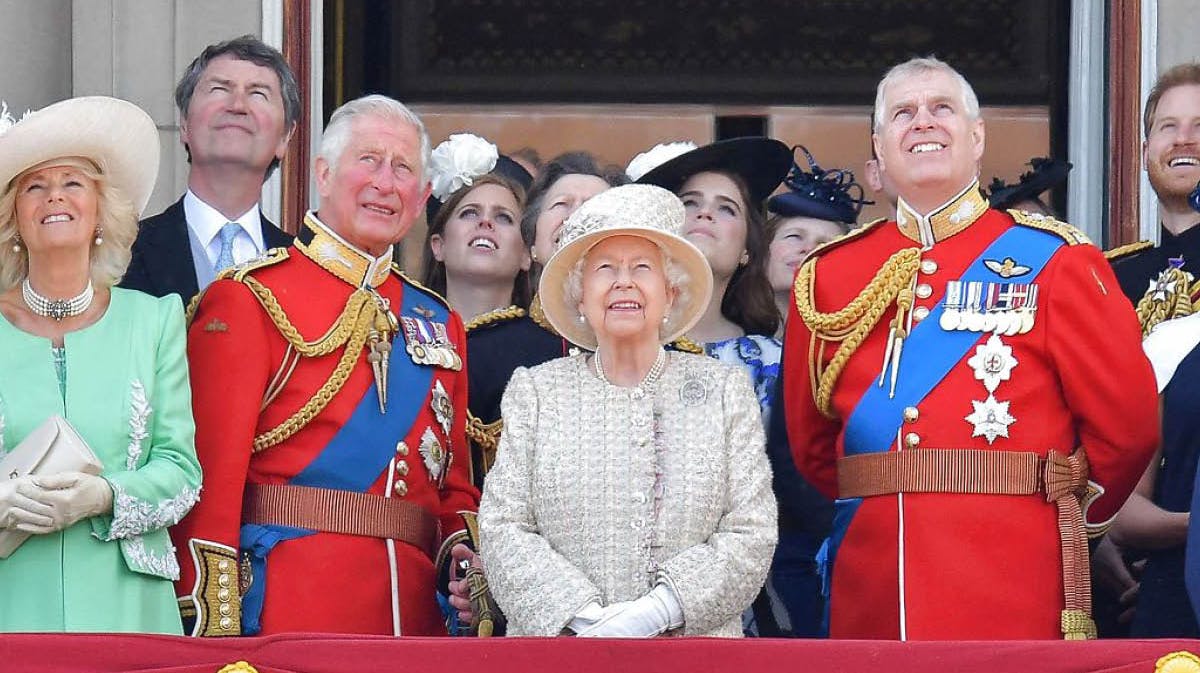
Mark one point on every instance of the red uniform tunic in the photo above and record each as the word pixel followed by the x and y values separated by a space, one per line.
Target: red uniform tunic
pixel 952 565
pixel 247 380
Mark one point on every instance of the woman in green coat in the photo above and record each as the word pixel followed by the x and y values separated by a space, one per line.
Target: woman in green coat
pixel 74 177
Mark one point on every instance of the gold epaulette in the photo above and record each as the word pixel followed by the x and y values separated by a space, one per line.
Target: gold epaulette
pixel 844 238
pixel 238 272
pixel 405 277
pixel 686 345
pixel 539 316
pixel 1126 250
pixel 268 258
pixel 493 317
pixel 1066 232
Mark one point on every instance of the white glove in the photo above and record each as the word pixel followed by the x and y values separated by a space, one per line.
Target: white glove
pixel 18 509
pixel 648 616
pixel 593 614
pixel 71 496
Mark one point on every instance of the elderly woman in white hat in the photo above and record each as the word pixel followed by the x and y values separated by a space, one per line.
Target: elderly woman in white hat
pixel 631 495
pixel 94 554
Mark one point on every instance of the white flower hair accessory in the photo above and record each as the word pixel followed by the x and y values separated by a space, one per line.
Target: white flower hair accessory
pixel 656 156
pixel 456 163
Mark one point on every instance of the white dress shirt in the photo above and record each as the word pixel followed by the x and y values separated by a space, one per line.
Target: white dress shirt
pixel 204 225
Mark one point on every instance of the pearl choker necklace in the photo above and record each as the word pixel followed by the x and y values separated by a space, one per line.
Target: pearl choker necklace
pixel 59 309
pixel 656 370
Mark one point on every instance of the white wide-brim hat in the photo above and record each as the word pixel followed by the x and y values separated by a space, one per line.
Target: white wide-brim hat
pixel 116 135
pixel 645 211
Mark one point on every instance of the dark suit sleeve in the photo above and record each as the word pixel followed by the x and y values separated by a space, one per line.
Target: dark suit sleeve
pixel 801 507
pixel 136 276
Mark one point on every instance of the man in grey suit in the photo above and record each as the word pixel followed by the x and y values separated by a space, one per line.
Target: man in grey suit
pixel 238 105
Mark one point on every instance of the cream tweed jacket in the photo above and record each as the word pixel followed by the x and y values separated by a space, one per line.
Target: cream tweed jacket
pixel 599 492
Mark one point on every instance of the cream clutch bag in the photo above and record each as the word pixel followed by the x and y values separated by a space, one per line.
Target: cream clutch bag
pixel 51 448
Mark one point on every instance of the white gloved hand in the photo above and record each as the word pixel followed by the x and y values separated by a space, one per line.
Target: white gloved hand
pixel 18 509
pixel 71 496
pixel 593 614
pixel 648 616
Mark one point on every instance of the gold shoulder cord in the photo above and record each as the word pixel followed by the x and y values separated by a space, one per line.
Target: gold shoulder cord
pixel 1066 232
pixel 487 437
pixel 539 316
pixel 1126 250
pixel 852 323
pixel 498 315
pixel 686 345
pixel 351 330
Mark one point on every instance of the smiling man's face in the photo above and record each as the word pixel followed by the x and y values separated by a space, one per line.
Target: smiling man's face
pixel 927 141
pixel 1171 151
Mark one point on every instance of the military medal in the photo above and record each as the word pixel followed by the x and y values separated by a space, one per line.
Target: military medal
pixel 443 410
pixel 435 457
pixel 973 315
pixel 428 343
pixel 993 362
pixel 989 308
pixel 1028 308
pixel 990 419
pixel 952 306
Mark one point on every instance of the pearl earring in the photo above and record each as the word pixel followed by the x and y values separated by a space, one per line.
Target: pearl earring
pixel 666 318
pixel 582 318
pixel 16 246
pixel 99 235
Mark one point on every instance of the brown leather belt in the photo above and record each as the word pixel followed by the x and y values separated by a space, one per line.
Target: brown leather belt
pixel 1062 478
pixel 336 511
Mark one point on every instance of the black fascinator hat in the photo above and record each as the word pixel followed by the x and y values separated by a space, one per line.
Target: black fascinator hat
pixel 819 193
pixel 760 162
pixel 1046 174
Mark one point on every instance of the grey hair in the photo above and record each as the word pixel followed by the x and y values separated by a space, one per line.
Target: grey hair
pixel 919 66
pixel 337 133
pixel 678 279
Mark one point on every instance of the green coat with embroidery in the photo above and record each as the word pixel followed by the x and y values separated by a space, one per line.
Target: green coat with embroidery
pixel 127 395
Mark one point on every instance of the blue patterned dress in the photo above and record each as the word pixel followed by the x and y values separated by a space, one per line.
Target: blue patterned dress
pixel 791 603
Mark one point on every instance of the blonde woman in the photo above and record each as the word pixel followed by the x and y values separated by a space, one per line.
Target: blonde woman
pixel 74 177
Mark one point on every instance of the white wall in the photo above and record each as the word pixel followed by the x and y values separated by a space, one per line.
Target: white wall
pixel 35 53
pixel 131 49
pixel 1178 32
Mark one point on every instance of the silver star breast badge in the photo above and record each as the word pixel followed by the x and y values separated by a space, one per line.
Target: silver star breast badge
pixel 993 362
pixel 432 454
pixel 990 419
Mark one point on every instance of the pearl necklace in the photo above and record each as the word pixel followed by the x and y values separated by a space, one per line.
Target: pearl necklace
pixel 58 309
pixel 656 370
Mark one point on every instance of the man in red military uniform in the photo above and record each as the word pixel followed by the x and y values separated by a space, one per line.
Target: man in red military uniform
pixel 960 379
pixel 330 401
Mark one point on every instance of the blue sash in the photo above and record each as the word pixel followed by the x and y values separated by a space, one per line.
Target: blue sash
pixel 929 354
pixel 355 456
